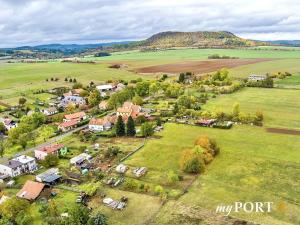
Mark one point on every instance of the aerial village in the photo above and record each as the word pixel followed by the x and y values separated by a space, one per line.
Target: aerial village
pixel 78 138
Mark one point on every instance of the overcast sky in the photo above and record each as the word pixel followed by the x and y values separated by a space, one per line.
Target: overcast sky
pixel 32 22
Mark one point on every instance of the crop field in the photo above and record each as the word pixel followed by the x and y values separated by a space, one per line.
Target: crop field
pixel 253 166
pixel 281 107
pixel 198 67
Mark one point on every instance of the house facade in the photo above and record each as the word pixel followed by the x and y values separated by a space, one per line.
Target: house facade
pixel 18 166
pixel 69 125
pixel 129 109
pixel 255 77
pixel 101 124
pixel 78 116
pixel 105 89
pixel 50 111
pixel 41 153
pixel 72 99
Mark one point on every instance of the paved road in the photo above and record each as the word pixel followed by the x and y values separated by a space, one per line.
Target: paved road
pixel 50 141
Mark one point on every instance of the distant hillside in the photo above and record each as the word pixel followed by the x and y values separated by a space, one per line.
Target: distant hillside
pixel 202 39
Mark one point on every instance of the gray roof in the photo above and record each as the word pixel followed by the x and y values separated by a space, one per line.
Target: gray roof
pixel 51 178
pixel 13 164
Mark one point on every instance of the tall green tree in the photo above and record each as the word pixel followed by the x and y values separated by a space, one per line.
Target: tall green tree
pixel 120 127
pixel 130 127
pixel 94 98
pixel 181 78
pixel 147 129
pixel 22 101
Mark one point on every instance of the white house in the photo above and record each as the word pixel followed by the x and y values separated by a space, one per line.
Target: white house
pixel 18 166
pixel 50 111
pixel 100 124
pixel 255 77
pixel 121 168
pixel 77 160
pixel 104 89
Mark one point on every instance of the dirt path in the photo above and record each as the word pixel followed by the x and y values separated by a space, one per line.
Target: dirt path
pixel 283 131
pixel 198 67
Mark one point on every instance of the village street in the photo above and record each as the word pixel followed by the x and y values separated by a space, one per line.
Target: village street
pixel 49 142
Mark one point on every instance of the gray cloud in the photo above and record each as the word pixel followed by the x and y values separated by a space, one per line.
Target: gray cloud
pixel 30 22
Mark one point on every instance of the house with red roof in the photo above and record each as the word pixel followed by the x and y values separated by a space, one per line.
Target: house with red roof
pixel 100 124
pixel 42 152
pixel 69 125
pixel 129 109
pixel 78 116
pixel 31 190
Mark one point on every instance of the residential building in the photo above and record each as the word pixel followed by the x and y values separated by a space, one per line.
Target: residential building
pixel 41 153
pixel 49 177
pixel 31 190
pixel 50 111
pixel 18 166
pixel 129 109
pixel 76 100
pixel 78 116
pixel 105 89
pixel 69 125
pixel 255 77
pixel 99 124
pixel 79 159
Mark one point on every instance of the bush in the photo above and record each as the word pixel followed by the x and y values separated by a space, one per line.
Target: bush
pixel 191 162
pixel 50 160
pixel 130 185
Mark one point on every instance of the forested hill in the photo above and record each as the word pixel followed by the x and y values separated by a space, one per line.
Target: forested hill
pixel 205 39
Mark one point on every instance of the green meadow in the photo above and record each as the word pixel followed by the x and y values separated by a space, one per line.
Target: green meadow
pixel 25 76
pixel 194 54
pixel 281 107
pixel 253 166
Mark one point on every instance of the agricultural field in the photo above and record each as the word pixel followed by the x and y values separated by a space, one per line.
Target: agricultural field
pixel 251 159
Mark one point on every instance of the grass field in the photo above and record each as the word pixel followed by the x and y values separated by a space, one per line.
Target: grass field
pixel 290 82
pixel 278 65
pixel 194 54
pixel 19 77
pixel 281 107
pixel 253 166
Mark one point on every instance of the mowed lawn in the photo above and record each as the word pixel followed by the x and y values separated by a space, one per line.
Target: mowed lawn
pixel 281 107
pixel 253 166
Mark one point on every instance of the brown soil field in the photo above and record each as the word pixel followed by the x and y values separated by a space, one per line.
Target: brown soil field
pixel 198 67
pixel 283 131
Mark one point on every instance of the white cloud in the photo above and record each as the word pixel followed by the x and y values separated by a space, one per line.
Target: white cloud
pixel 25 22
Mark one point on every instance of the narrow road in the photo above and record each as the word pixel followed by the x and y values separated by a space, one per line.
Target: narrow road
pixel 49 142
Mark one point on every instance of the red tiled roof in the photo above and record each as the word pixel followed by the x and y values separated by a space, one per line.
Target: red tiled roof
pixel 75 115
pixel 31 190
pixel 51 148
pixel 68 124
